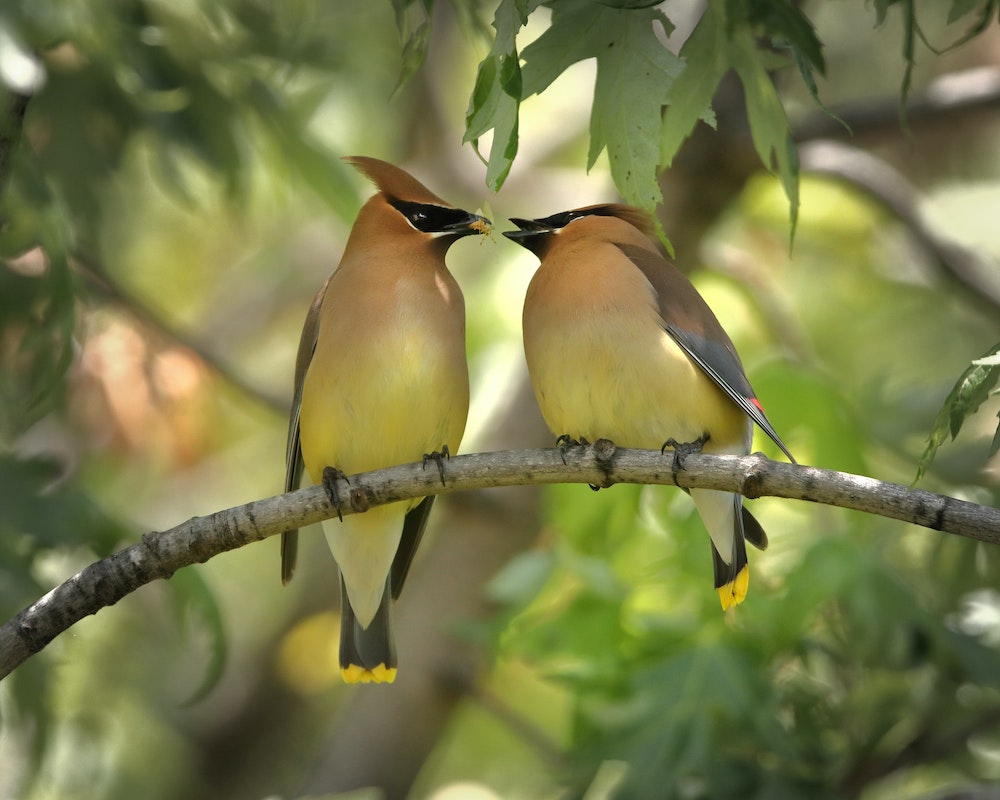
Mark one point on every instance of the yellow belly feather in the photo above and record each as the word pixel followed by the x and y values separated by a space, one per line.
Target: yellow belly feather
pixel 625 379
pixel 377 395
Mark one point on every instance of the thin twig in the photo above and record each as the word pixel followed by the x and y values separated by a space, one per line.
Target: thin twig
pixel 159 554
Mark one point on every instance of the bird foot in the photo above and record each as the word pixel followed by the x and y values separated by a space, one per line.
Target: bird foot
pixel 604 455
pixel 566 442
pixel 681 451
pixel 330 477
pixel 438 457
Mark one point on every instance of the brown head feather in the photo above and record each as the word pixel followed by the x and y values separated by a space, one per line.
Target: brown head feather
pixel 394 182
pixel 636 217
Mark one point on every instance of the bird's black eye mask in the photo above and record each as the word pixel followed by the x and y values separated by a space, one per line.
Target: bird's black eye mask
pixel 430 218
pixel 564 218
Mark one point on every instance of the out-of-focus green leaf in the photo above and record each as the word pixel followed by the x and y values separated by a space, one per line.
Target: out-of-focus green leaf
pixel 973 387
pixel 769 127
pixel 522 577
pixel 414 52
pixel 184 78
pixel 596 575
pixel 325 174
pixel 37 302
pixel 29 715
pixel 43 513
pixel 683 708
pixel 36 327
pixel 415 37
pixel 195 604
pixel 803 403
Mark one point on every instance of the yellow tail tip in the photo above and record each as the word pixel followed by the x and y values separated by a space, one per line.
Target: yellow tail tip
pixel 355 673
pixel 734 592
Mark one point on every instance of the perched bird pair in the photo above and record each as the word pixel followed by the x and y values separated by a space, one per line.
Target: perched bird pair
pixel 619 345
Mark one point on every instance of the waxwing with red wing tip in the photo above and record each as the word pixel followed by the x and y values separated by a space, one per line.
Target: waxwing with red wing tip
pixel 381 379
pixel 620 345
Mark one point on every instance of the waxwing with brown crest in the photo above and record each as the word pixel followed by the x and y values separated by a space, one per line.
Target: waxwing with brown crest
pixel 620 345
pixel 381 379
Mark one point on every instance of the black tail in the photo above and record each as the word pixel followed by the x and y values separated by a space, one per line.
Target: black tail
pixel 733 576
pixel 367 655
pixel 752 530
pixel 725 574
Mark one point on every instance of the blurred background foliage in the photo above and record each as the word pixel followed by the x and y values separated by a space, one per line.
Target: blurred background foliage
pixel 172 201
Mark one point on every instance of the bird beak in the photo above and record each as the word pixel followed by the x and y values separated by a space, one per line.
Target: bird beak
pixel 472 223
pixel 528 228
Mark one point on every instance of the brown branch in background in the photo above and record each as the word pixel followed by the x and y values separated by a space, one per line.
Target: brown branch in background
pixel 692 205
pixel 949 100
pixel 102 285
pixel 540 743
pixel 889 188
pixel 158 555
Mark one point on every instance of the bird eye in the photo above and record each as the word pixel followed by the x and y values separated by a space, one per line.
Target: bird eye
pixel 417 216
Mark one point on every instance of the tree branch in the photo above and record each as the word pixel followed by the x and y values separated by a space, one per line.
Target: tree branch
pixel 103 285
pixel 974 271
pixel 949 100
pixel 158 555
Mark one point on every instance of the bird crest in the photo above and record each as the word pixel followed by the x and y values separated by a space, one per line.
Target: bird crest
pixel 394 182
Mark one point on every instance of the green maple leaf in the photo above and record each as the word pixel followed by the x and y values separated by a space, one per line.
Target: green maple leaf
pixel 497 94
pixel 634 74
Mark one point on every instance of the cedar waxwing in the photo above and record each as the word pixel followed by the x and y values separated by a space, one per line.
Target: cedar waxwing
pixel 620 345
pixel 381 379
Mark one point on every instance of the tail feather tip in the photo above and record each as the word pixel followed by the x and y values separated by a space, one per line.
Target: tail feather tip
pixel 735 591
pixel 355 673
